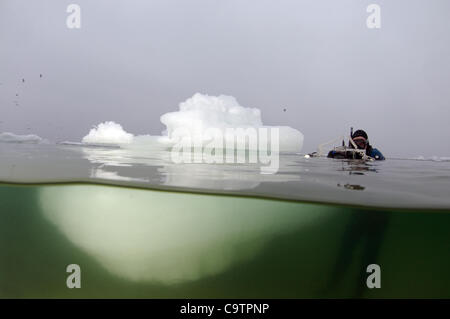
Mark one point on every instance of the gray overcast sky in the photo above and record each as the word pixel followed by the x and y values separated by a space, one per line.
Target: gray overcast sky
pixel 132 61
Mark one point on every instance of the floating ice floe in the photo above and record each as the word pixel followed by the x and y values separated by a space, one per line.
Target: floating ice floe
pixel 7 137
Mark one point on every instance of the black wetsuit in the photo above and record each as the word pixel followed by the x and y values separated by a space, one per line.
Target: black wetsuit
pixel 370 151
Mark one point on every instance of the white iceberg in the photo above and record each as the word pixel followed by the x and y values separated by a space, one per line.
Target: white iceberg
pixel 197 118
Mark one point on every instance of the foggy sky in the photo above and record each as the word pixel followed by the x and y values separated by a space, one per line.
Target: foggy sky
pixel 132 61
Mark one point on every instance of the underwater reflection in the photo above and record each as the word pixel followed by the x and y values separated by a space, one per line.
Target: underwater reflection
pixel 358 167
pixel 168 237
pixel 352 186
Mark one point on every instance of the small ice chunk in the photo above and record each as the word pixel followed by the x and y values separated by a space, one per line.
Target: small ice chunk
pixel 108 133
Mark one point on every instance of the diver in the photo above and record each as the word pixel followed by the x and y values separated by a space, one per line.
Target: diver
pixel 359 141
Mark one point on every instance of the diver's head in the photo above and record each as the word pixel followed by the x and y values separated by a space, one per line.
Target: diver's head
pixel 361 139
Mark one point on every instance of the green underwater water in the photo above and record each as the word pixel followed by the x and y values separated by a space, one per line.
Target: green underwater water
pixel 142 243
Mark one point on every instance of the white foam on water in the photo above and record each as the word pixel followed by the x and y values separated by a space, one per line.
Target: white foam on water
pixel 7 137
pixel 440 158
pixel 432 158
